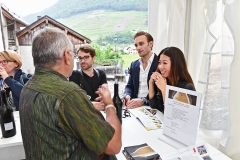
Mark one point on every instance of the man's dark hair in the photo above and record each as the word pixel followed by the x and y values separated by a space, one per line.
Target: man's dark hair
pixel 87 49
pixel 140 33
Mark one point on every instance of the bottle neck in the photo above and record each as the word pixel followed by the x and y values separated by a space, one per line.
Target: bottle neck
pixel 115 89
pixel 3 100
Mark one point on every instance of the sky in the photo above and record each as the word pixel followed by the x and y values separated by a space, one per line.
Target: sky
pixel 25 7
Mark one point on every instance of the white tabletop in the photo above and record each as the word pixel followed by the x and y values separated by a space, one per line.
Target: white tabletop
pixel 12 148
pixel 15 140
pixel 133 133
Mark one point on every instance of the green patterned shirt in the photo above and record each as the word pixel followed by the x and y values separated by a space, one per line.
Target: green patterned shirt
pixel 59 122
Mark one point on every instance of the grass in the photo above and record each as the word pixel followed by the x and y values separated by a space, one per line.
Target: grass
pixel 128 58
pixel 104 22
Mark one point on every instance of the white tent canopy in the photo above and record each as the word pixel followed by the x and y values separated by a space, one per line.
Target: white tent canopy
pixel 207 31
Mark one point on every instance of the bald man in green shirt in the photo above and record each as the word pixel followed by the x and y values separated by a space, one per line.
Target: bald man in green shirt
pixel 58 121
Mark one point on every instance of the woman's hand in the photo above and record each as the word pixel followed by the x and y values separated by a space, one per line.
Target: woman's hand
pixel 160 82
pixel 154 77
pixel 3 73
pixel 152 81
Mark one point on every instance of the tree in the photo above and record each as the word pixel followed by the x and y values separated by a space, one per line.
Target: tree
pixel 123 38
pixel 106 55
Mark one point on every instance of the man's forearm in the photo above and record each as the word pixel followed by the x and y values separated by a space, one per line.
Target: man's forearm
pixel 115 144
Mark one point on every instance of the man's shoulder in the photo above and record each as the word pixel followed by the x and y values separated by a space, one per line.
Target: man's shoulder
pixel 75 76
pixel 100 72
pixel 50 84
pixel 155 57
pixel 76 72
pixel 135 63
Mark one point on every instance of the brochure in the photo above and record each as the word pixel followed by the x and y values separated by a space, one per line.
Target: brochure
pixel 196 152
pixel 147 117
pixel 181 114
pixel 140 152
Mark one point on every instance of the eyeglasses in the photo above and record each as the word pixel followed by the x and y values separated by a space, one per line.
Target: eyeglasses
pixel 83 58
pixel 4 62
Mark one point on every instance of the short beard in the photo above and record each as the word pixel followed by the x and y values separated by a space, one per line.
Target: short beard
pixel 87 67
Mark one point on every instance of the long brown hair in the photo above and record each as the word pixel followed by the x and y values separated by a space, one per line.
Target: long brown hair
pixel 179 69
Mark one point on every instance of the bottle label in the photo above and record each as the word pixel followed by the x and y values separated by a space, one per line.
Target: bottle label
pixel 8 126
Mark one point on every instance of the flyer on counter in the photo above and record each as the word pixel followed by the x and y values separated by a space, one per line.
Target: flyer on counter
pixel 181 114
pixel 147 117
pixel 197 152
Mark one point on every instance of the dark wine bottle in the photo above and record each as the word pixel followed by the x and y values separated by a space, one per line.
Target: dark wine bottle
pixel 7 119
pixel 117 102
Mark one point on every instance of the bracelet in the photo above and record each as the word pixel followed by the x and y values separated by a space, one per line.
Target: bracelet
pixel 110 106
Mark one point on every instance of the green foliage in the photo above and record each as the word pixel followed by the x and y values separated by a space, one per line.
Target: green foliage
pixel 106 55
pixel 125 37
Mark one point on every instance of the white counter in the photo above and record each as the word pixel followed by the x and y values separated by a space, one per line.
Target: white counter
pixel 12 148
pixel 133 133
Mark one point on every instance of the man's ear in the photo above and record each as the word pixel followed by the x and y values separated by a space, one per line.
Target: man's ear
pixel 94 58
pixel 67 55
pixel 151 44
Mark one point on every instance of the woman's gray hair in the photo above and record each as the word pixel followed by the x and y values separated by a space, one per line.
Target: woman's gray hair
pixel 48 47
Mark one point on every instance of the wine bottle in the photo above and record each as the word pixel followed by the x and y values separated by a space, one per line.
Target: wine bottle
pixel 117 102
pixel 7 119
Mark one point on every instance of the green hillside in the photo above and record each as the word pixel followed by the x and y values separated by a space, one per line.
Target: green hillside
pixel 67 8
pixel 99 19
pixel 94 24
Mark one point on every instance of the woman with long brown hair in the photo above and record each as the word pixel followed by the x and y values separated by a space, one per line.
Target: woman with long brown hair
pixel 171 70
